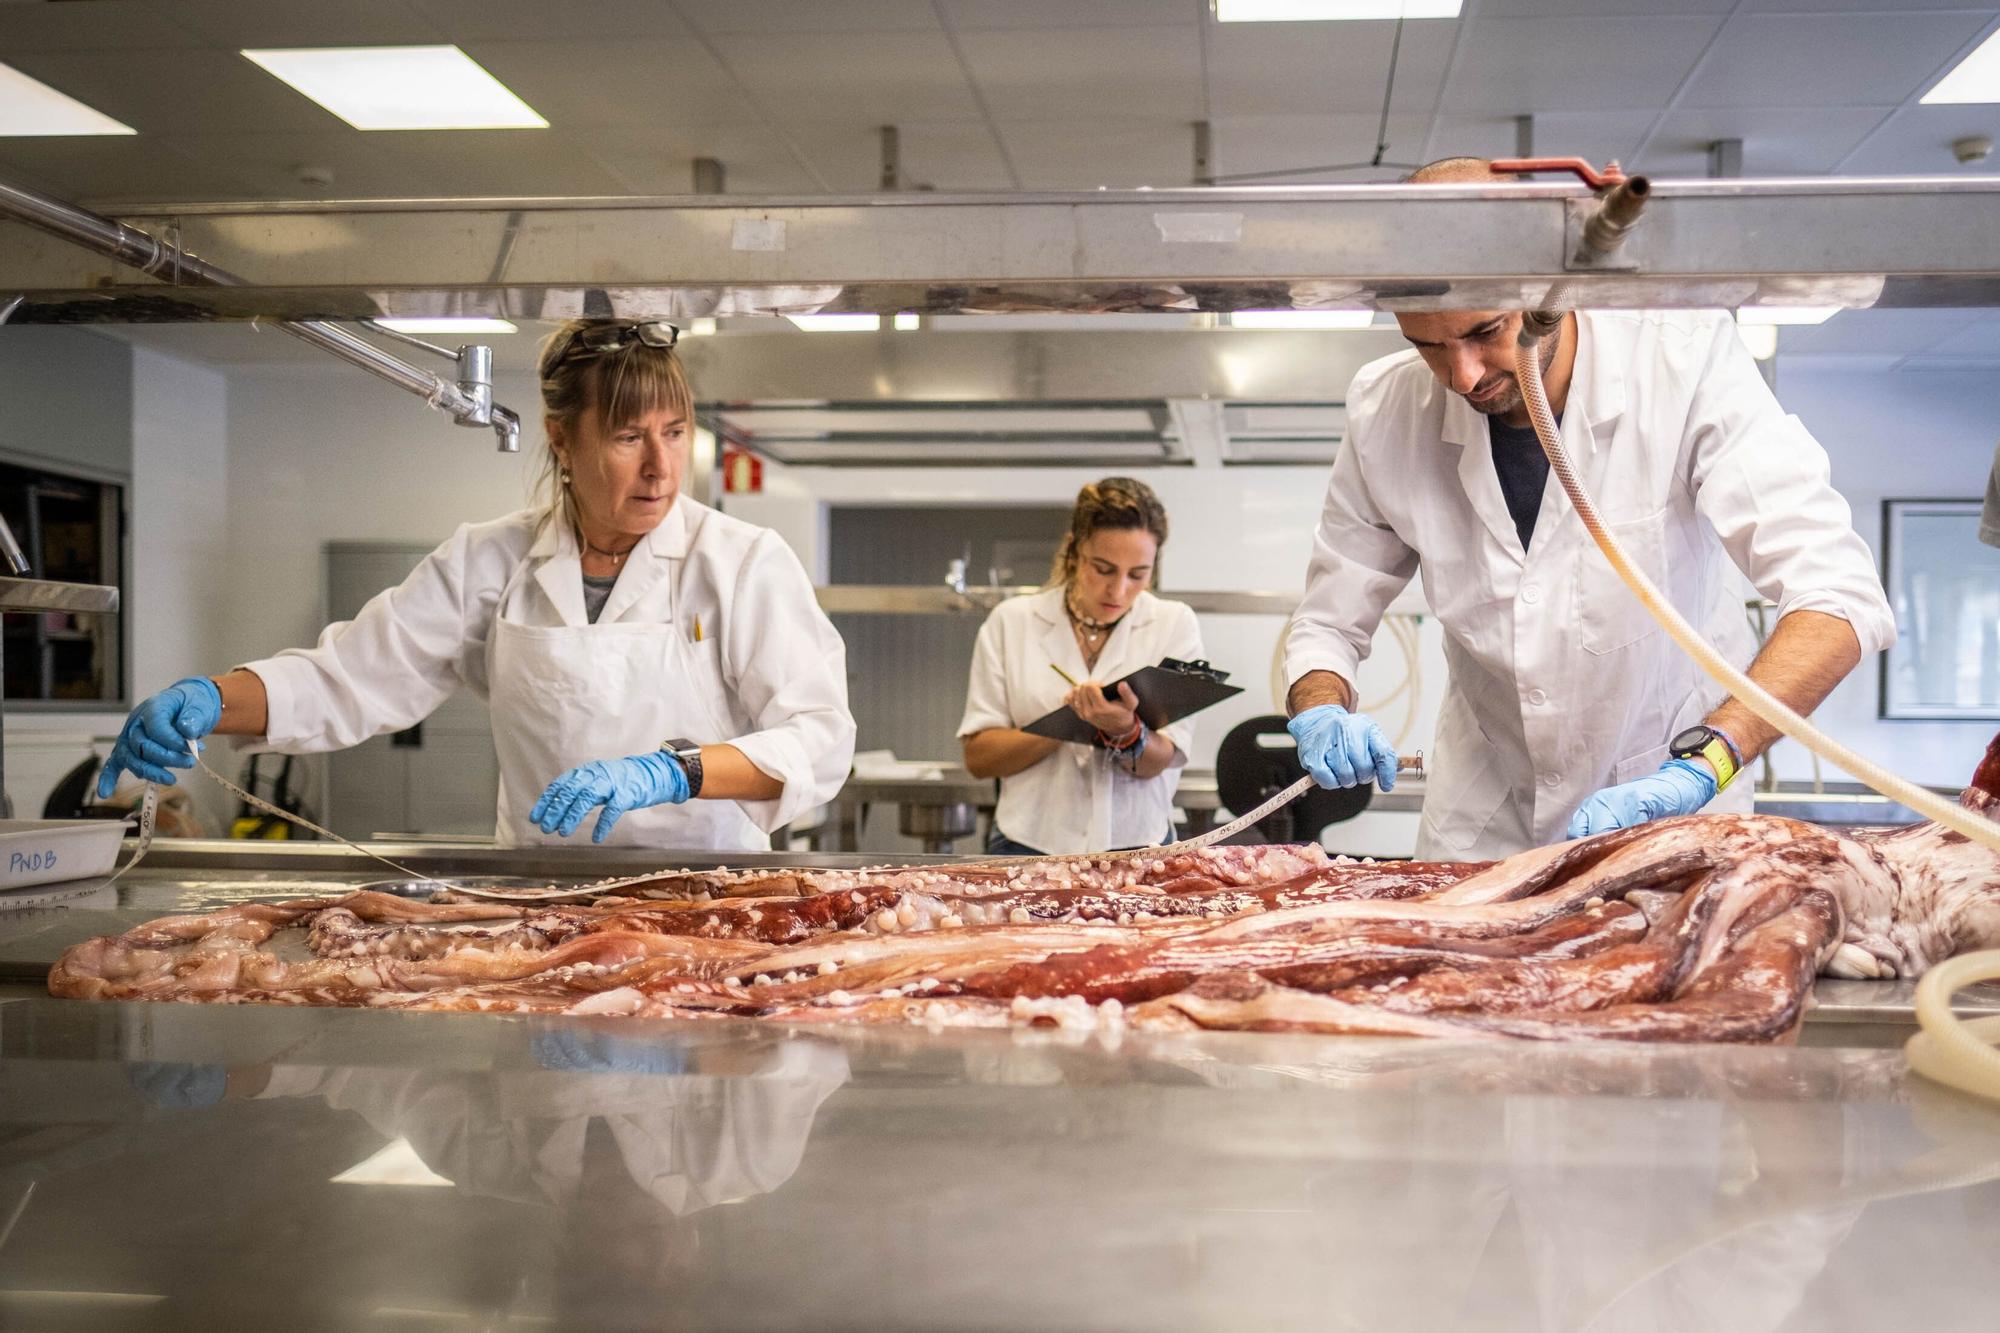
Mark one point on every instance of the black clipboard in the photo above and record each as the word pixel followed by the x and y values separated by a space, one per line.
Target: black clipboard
pixel 1167 693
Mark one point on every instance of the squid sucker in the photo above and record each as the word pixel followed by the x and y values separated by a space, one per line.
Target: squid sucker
pixel 1700 928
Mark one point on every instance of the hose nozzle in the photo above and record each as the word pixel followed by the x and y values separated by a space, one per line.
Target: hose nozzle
pixel 1618 210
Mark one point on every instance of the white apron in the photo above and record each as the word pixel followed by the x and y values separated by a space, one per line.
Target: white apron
pixel 563 695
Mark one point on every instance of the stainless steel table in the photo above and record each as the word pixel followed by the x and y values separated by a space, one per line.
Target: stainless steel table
pixel 1195 796
pixel 183 1167
pixel 174 1167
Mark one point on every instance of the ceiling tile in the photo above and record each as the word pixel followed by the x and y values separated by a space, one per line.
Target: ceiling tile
pixel 635 81
pixel 1501 9
pixel 1275 69
pixel 94 170
pixel 1875 332
pixel 1246 144
pixel 1072 13
pixel 413 163
pixel 1777 141
pixel 946 156
pixel 1980 338
pixel 1524 65
pixel 1916 141
pixel 751 16
pixel 654 160
pixel 1084 72
pixel 1828 59
pixel 464 21
pixel 260 23
pixel 1084 154
pixel 72 27
pixel 884 77
pixel 1855 6
pixel 177 91
pixel 1599 136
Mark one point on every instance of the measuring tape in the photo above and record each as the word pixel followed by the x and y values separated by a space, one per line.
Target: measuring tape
pixel 149 809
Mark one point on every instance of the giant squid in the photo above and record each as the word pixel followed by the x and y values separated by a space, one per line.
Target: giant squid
pixel 1698 928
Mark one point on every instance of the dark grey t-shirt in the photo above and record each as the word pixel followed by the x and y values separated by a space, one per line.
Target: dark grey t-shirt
pixel 1523 470
pixel 596 592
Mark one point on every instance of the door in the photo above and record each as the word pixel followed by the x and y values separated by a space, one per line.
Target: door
pixel 441 776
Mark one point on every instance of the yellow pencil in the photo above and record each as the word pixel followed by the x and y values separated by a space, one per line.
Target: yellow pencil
pixel 1064 674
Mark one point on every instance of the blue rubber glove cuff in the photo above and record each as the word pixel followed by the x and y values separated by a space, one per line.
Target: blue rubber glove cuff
pixel 1343 749
pixel 1679 788
pixel 156 734
pixel 618 785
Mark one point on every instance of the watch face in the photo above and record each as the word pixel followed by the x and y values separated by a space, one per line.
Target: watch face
pixel 1690 740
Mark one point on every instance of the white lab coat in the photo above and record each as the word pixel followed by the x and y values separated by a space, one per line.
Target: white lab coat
pixel 1077 799
pixel 1560 683
pixel 690 1140
pixel 712 633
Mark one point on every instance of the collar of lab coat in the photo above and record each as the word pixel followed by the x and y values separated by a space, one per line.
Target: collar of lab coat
pixel 1059 644
pixel 1596 398
pixel 559 567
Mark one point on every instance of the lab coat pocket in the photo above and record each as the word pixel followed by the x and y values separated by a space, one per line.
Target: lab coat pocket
pixel 711 721
pixel 1609 615
pixel 1461 801
pixel 1639 765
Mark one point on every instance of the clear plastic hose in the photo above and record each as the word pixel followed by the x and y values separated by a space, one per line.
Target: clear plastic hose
pixel 1951 1050
pixel 1749 693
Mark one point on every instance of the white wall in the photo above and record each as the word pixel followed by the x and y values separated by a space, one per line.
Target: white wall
pixel 320 454
pixel 178 581
pixel 1894 435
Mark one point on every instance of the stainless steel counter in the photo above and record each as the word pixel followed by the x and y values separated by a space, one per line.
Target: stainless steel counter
pixel 1196 797
pixel 179 1167
pixel 169 1167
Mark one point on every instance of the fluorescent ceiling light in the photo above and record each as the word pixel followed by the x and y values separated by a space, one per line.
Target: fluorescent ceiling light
pixel 837 323
pixel 699 327
pixel 396 1163
pixel 1976 78
pixel 1305 11
pixel 30 108
pixel 449 324
pixel 1786 314
pixel 402 87
pixel 1761 339
pixel 908 321
pixel 1301 319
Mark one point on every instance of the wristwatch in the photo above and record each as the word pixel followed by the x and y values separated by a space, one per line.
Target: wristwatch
pixel 690 756
pixel 1715 746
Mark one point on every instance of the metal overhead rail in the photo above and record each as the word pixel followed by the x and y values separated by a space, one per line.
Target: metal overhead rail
pixel 469 401
pixel 1904 241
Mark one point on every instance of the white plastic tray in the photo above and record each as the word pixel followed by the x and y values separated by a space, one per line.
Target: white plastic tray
pixel 45 851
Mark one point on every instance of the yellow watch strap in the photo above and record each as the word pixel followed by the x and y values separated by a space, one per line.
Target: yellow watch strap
pixel 1721 760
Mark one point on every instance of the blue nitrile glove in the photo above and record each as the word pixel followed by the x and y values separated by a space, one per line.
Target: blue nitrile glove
pixel 176 1086
pixel 616 784
pixel 156 736
pixel 1679 788
pixel 1343 749
pixel 602 1053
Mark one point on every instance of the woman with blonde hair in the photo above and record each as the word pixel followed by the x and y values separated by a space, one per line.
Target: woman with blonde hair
pixel 1095 622
pixel 643 655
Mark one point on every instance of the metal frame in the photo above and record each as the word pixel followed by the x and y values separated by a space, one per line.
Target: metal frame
pixel 1905 241
pixel 1893 509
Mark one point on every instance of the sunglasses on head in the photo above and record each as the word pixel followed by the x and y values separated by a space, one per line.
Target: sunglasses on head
pixel 596 339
